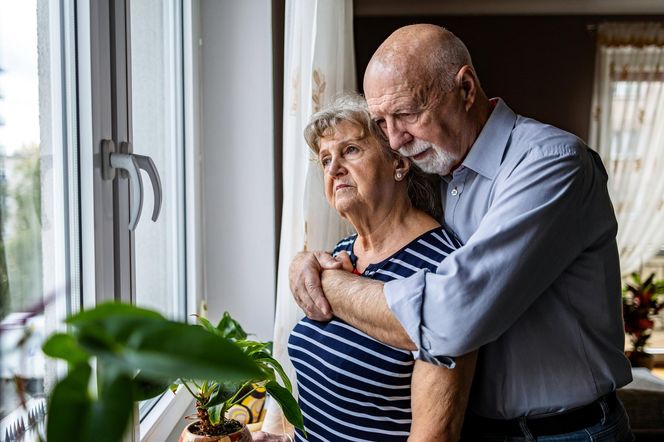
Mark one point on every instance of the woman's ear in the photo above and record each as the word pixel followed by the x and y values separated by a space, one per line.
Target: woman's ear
pixel 401 167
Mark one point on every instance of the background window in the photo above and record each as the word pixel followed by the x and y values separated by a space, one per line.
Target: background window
pixel 38 222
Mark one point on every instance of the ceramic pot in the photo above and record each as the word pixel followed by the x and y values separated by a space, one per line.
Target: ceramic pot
pixel 641 359
pixel 242 435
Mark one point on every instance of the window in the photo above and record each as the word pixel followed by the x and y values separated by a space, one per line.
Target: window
pixel 157 123
pixel 73 74
pixel 39 220
pixel 656 342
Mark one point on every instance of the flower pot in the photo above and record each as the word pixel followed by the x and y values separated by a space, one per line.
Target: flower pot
pixel 641 359
pixel 242 435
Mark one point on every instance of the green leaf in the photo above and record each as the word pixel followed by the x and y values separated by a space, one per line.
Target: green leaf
pixel 173 350
pixel 144 388
pixel 224 391
pixel 208 325
pixel 111 413
pixel 64 346
pixel 278 368
pixel 69 406
pixel 230 328
pixel 252 347
pixel 214 413
pixel 111 310
pixel 287 403
pixel 96 339
pixel 114 322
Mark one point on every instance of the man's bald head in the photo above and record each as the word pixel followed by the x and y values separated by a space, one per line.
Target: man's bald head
pixel 426 54
pixel 422 91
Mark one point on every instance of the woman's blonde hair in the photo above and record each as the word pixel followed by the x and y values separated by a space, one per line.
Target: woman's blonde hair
pixel 423 188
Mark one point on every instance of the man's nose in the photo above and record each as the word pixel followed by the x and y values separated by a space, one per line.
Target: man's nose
pixel 397 135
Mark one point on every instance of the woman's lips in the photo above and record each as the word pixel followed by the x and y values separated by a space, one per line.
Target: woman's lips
pixel 341 186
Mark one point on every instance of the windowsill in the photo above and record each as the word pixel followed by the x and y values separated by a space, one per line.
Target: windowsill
pixel 167 413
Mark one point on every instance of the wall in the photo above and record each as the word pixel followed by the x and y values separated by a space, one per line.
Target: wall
pixel 237 144
pixel 542 65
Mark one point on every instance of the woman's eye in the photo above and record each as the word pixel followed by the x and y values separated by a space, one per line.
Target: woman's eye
pixel 325 161
pixel 352 149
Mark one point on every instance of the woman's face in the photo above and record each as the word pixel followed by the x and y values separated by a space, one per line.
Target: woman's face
pixel 358 174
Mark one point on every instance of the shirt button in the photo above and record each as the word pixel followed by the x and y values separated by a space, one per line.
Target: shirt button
pixel 454 192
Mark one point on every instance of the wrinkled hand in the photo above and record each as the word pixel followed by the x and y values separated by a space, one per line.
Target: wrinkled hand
pixel 304 279
pixel 261 436
pixel 344 258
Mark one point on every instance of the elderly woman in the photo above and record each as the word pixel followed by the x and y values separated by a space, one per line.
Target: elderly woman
pixel 352 387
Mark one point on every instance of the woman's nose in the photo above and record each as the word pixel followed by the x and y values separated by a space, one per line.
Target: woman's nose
pixel 336 168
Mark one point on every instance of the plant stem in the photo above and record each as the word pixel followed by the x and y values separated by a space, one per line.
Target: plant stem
pixel 242 398
pixel 190 391
pixel 233 400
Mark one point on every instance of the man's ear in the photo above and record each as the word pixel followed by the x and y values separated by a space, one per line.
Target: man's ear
pixel 467 80
pixel 401 167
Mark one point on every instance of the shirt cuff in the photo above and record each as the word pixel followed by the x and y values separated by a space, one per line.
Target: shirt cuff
pixel 405 298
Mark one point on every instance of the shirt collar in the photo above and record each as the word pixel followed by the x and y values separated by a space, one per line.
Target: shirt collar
pixel 488 150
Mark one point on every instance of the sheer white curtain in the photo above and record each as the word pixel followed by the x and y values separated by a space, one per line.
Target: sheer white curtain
pixel 627 128
pixel 319 64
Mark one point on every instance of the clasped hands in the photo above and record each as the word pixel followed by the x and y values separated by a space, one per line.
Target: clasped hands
pixel 304 278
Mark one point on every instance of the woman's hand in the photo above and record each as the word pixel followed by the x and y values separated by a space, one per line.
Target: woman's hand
pixel 261 436
pixel 344 258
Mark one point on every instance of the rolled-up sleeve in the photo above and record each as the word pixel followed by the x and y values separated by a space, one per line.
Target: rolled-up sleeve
pixel 405 300
pixel 531 232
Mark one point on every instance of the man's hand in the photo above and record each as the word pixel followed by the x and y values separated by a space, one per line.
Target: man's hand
pixel 344 258
pixel 304 280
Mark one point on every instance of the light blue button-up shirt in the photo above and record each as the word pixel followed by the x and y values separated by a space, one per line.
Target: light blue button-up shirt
pixel 537 282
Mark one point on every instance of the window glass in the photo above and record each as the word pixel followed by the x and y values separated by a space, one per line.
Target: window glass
pixel 156 75
pixel 656 266
pixel 38 223
pixel 632 114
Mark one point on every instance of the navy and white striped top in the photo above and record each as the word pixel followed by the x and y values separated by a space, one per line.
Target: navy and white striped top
pixel 352 387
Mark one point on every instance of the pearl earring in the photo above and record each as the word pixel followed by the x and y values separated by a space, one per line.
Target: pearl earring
pixel 399 176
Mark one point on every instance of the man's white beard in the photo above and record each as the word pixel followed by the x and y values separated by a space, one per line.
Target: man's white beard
pixel 436 161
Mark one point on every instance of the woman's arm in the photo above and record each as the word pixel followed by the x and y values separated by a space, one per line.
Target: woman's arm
pixel 439 396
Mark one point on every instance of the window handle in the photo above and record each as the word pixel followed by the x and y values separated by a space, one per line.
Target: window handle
pixel 132 164
pixel 146 163
pixel 128 162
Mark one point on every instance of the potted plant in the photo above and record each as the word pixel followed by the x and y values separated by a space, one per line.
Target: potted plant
pixel 214 398
pixel 642 300
pixel 138 355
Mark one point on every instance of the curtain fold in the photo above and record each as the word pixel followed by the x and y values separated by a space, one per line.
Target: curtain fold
pixel 319 64
pixel 627 128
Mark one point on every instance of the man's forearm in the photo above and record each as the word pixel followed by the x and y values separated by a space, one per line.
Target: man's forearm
pixel 361 303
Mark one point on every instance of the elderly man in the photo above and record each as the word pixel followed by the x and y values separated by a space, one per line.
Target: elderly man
pixel 536 285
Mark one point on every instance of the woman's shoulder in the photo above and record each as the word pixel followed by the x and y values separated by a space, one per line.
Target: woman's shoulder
pixel 434 244
pixel 426 251
pixel 345 244
pixel 442 236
